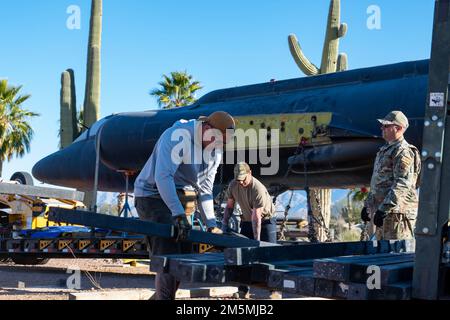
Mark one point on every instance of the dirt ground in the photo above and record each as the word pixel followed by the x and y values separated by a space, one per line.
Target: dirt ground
pixel 49 281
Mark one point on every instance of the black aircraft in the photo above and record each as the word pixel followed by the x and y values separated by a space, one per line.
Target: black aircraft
pixel 335 114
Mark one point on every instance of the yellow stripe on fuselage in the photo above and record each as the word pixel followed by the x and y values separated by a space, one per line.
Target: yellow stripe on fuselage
pixel 251 131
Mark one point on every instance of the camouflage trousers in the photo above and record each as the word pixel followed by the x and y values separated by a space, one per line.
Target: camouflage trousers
pixel 397 226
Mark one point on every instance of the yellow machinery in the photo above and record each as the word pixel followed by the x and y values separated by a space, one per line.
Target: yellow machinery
pixel 26 207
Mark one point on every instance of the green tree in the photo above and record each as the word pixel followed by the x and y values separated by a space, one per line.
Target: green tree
pixel 15 130
pixel 359 194
pixel 177 90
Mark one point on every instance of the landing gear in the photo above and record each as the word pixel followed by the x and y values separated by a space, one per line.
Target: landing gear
pixel 23 178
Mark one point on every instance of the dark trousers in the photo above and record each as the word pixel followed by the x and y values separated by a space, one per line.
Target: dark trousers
pixel 155 210
pixel 268 234
pixel 268 230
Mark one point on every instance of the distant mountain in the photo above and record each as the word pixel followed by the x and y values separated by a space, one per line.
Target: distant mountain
pixel 298 204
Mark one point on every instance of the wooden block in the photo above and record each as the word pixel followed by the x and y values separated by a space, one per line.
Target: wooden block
pixel 275 280
pixel 162 263
pixel 261 271
pixel 216 274
pixel 340 290
pixel 192 272
pixel 357 291
pixel 306 284
pixel 242 274
pixel 390 273
pixel 210 272
pixel 175 263
pixel 392 270
pixel 246 256
pixel 277 277
pixel 398 291
pixel 301 282
pixel 343 268
pixel 324 288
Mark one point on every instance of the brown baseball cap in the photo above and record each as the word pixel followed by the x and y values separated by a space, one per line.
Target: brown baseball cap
pixel 395 117
pixel 241 170
pixel 220 120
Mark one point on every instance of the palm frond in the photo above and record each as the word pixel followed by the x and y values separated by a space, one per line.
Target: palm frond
pixel 15 131
pixel 176 90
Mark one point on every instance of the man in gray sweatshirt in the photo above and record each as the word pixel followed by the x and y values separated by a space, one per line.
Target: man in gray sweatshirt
pixel 182 167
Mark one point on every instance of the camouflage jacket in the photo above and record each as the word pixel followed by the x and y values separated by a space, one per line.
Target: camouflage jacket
pixel 394 180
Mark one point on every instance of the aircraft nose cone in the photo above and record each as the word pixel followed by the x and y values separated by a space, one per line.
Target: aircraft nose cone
pixel 74 167
pixel 38 170
pixel 67 167
pixel 48 169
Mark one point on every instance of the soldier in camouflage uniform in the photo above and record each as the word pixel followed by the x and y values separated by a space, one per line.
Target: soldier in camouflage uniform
pixel 393 201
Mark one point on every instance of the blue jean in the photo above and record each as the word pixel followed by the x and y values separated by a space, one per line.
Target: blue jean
pixel 268 230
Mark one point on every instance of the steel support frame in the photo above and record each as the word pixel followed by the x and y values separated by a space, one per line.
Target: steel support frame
pixel 434 200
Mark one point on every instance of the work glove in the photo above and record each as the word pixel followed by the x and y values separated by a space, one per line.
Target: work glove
pixel 365 215
pixel 182 227
pixel 215 230
pixel 378 219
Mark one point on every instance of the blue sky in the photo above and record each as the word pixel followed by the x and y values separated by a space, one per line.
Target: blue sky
pixel 223 44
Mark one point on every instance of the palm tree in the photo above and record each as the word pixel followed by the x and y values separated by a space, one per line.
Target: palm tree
pixel 15 131
pixel 178 90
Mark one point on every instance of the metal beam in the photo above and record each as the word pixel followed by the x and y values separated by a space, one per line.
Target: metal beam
pixel 136 226
pixel 41 192
pixel 434 199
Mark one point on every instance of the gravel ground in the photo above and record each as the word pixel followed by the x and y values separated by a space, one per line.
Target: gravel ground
pixel 49 281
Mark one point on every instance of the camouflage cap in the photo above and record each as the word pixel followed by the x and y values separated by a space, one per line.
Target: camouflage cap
pixel 241 170
pixel 396 117
pixel 220 120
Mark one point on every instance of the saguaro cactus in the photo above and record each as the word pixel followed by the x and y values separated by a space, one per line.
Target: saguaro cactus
pixel 91 110
pixel 93 72
pixel 332 61
pixel 68 127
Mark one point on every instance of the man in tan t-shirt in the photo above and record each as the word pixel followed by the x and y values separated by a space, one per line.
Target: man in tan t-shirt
pixel 258 219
